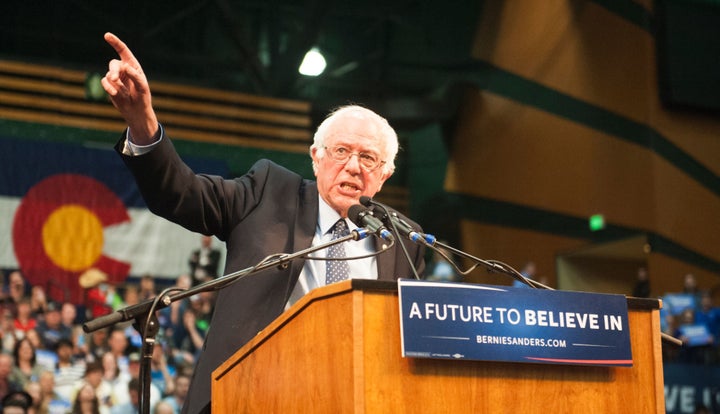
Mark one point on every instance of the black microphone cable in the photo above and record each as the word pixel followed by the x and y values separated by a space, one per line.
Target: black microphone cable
pixel 402 245
pixel 431 242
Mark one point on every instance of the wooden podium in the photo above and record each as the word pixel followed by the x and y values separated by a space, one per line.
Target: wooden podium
pixel 338 351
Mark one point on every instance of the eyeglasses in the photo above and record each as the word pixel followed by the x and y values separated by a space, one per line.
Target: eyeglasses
pixel 368 161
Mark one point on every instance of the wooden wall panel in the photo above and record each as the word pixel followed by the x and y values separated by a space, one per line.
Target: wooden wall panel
pixel 576 47
pixel 685 211
pixel 515 247
pixel 504 150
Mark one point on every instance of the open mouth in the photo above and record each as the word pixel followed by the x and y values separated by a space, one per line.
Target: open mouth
pixel 349 188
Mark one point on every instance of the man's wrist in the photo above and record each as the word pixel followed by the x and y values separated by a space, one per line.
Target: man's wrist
pixel 131 148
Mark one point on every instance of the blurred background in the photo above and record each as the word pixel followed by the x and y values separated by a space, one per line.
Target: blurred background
pixel 576 140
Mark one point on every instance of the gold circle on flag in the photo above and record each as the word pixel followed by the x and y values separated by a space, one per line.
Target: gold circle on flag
pixel 73 237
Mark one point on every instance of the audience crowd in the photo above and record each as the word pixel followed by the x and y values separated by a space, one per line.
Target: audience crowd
pixel 46 356
pixel 691 316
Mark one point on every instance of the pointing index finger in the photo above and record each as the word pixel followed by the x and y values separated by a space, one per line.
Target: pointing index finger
pixel 121 48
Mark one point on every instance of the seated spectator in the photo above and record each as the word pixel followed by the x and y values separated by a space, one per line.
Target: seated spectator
pixel 134 369
pixel 162 374
pixel 68 371
pixel 93 281
pixel 50 401
pixel 24 320
pixel 709 316
pixel 97 345
pixel 68 315
pixel 6 366
pixel 25 369
pixel 86 401
pixel 16 402
pixel 34 338
pixel 7 330
pixel 147 288
pixel 197 322
pixel 51 330
pixel 33 390
pixel 131 295
pixel 16 290
pixel 70 323
pixel 697 340
pixel 102 390
pixel 163 407
pixel 118 347
pixel 132 405
pixel 112 377
pixel 171 317
pixel 176 400
pixel 38 301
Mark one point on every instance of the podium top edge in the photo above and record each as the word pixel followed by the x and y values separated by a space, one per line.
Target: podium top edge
pixel 391 286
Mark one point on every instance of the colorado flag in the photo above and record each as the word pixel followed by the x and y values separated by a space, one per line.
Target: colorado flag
pixel 65 208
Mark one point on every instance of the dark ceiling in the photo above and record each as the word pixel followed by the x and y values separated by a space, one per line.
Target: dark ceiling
pixel 380 53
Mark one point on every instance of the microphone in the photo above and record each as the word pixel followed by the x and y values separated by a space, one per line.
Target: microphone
pixel 392 220
pixel 363 217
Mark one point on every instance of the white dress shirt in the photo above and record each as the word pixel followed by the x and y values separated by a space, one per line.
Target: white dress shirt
pixel 313 273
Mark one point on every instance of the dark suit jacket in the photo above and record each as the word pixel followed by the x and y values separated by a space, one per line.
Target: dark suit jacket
pixel 268 210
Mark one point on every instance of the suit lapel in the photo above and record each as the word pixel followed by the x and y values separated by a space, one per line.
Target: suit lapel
pixel 305 223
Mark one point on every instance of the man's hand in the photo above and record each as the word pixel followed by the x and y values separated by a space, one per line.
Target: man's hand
pixel 129 91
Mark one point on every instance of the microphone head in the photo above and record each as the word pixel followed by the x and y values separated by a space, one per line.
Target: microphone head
pixel 356 213
pixel 366 201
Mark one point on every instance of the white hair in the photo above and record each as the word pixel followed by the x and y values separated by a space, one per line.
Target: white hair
pixel 383 130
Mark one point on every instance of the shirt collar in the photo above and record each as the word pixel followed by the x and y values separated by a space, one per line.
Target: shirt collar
pixel 327 217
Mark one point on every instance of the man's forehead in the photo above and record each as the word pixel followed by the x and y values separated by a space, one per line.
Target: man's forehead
pixel 353 139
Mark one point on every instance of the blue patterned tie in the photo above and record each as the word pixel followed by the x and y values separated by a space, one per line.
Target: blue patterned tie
pixel 337 270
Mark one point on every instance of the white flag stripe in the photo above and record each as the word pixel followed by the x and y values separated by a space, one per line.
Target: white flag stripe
pixel 8 206
pixel 152 244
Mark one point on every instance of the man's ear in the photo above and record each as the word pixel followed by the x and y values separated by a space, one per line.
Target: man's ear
pixel 313 155
pixel 384 177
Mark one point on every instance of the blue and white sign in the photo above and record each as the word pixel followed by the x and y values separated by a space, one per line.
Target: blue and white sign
pixel 502 323
pixel 695 335
pixel 676 303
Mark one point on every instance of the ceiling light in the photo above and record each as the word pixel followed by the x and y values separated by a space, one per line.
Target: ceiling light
pixel 313 63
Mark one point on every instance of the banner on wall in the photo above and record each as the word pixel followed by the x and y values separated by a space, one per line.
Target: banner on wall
pixel 66 208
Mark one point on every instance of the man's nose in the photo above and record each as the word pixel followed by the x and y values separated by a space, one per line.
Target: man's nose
pixel 353 163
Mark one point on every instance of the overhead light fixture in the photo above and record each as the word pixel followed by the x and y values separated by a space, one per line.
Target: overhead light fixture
pixel 313 63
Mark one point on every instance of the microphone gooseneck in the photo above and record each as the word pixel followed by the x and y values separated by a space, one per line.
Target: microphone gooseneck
pixel 393 221
pixel 363 217
pixel 368 202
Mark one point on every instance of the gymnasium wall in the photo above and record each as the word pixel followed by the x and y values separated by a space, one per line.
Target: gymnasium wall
pixel 564 121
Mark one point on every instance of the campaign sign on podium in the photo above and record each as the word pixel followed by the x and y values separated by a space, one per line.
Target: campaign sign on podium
pixel 502 323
